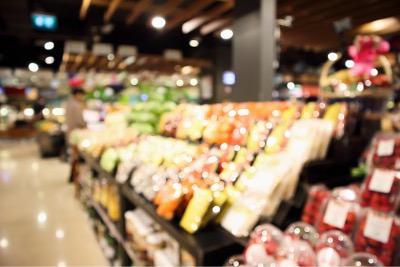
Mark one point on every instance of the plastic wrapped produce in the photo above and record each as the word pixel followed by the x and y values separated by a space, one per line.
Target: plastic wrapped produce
pixel 263 245
pixel 384 152
pixel 339 211
pixel 381 190
pixel 333 248
pixel 301 231
pixel 316 196
pixel 295 253
pixel 362 259
pixel 378 234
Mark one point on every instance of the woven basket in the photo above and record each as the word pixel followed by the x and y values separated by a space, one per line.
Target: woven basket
pixel 378 92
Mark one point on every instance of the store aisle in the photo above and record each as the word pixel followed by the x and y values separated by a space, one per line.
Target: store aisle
pixel 41 223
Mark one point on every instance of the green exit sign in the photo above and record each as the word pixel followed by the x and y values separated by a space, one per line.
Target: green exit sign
pixel 44 22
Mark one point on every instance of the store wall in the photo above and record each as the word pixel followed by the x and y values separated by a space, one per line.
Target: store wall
pixel 223 62
pixel 254 49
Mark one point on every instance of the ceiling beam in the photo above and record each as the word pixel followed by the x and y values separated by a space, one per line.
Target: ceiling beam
pixel 188 13
pixel 84 9
pixel 168 7
pixel 196 22
pixel 111 10
pixel 215 25
pixel 141 6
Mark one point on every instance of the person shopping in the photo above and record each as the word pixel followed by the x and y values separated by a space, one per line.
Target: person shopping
pixel 74 120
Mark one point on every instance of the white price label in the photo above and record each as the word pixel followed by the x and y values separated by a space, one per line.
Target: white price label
pixel 386 147
pixel 336 213
pixel 378 227
pixel 328 257
pixel 382 181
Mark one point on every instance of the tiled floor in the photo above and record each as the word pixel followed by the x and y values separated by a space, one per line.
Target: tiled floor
pixel 41 223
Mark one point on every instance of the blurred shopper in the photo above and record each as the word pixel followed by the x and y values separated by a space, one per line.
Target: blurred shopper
pixel 74 120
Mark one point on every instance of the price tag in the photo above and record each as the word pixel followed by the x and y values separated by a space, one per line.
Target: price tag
pixel 382 181
pixel 378 227
pixel 336 213
pixel 386 148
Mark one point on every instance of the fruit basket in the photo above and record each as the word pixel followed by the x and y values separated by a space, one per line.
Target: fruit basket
pixel 365 84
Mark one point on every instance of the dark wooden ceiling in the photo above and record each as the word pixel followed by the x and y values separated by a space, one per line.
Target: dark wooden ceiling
pixel 312 27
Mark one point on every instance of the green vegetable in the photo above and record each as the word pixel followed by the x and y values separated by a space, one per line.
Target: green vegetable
pixel 143 128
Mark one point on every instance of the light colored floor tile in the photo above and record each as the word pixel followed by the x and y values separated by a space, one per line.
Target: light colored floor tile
pixel 41 223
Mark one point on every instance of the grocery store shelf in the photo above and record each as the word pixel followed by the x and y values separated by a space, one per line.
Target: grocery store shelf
pixel 206 246
pixel 96 167
pixel 107 221
pixel 132 255
pixel 200 244
pixel 109 224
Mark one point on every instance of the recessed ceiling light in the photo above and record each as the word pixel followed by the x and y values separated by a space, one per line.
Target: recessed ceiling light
pixel 111 57
pixel 33 67
pixel 49 45
pixel 49 60
pixel 158 22
pixel 180 82
pixel 227 34
pixel 194 43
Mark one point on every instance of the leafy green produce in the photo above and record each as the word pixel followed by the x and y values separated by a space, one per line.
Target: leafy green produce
pixel 109 159
pixel 142 116
pixel 143 128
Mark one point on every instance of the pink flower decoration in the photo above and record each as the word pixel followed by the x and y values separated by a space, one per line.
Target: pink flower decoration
pixel 364 53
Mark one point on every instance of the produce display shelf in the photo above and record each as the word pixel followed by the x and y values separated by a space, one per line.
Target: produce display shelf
pixel 93 163
pixel 110 225
pixel 206 246
pixel 107 221
pixel 201 245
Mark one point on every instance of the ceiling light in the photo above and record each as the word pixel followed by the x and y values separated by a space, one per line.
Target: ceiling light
pixel 110 57
pixel 158 22
pixel 49 45
pixel 349 63
pixel 33 67
pixel 194 43
pixel 227 34
pixel 187 70
pixel 332 56
pixel 381 26
pixel 194 82
pixel 180 82
pixel 49 60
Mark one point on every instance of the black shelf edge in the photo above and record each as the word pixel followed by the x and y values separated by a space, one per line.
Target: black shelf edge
pixel 131 254
pixel 198 244
pixel 110 225
pixel 107 221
